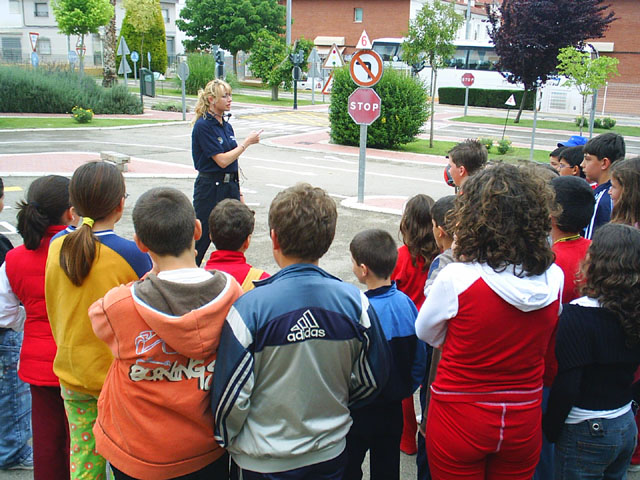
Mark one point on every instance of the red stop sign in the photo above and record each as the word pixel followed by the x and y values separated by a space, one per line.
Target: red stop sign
pixel 364 106
pixel 468 79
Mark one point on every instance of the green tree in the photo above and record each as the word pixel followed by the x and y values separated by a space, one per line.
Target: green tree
pixel 80 17
pixel 270 62
pixel 587 74
pixel 430 38
pixel 148 16
pixel 403 111
pixel 231 25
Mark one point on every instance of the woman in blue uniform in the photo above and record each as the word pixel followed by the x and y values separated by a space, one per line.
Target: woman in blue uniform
pixel 215 154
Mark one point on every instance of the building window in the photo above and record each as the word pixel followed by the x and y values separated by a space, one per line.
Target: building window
pixel 357 15
pixel 44 46
pixel 42 10
pixel 165 15
pixel 11 49
pixel 14 6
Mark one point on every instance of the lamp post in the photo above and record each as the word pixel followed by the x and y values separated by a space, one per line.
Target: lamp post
pixel 592 116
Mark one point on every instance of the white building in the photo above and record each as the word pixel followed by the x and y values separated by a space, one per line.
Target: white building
pixel 20 17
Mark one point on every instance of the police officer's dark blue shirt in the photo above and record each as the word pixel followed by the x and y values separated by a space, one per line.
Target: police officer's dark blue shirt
pixel 210 138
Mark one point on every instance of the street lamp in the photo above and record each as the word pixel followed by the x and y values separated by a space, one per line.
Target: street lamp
pixel 592 116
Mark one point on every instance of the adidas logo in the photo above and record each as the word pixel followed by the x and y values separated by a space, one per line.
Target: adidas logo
pixel 306 327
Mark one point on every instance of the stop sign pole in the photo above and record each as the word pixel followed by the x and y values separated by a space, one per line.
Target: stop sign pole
pixel 467 81
pixel 364 108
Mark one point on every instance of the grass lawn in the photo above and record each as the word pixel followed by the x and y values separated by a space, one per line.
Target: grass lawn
pixel 63 122
pixel 550 124
pixel 441 148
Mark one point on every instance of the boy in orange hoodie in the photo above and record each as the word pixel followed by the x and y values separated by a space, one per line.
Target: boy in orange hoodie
pixel 154 415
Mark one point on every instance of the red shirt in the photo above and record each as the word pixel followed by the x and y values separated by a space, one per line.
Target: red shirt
pixel 233 263
pixel 410 278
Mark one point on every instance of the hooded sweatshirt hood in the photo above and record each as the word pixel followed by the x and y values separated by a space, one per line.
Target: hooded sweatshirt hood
pixel 168 308
pixel 525 293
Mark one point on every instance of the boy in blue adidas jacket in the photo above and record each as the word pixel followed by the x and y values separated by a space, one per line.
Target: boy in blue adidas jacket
pixel 295 353
pixel 378 426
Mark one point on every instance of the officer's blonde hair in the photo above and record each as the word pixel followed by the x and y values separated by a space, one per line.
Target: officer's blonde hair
pixel 214 90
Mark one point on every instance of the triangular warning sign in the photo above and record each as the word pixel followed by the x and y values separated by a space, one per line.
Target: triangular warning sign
pixel 511 101
pixel 334 59
pixel 326 90
pixel 363 42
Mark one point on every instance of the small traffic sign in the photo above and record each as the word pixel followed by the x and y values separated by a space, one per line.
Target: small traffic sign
pixel 364 106
pixel 124 67
pixel 33 37
pixel 123 48
pixel 81 50
pixel 468 79
pixel 135 56
pixel 313 56
pixel 366 68
pixel 34 59
pixel 183 71
pixel 73 57
pixel 326 90
pixel 363 42
pixel 511 101
pixel 334 59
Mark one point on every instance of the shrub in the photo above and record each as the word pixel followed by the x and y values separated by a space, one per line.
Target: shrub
pixel 480 97
pixel 232 79
pixel 608 123
pixel 404 110
pixel 82 115
pixel 504 146
pixel 154 41
pixel 26 90
pixel 169 107
pixel 202 69
pixel 487 142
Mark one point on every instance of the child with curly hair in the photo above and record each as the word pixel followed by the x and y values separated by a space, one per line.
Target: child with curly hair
pixel 598 351
pixel 493 312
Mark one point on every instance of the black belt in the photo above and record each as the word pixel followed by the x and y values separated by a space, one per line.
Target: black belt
pixel 220 176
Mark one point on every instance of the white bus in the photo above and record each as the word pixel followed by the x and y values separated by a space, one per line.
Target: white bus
pixel 479 58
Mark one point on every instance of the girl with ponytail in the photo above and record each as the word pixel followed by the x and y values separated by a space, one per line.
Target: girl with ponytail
pixel 45 212
pixel 83 264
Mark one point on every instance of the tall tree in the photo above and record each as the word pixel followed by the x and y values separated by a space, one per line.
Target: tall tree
pixel 430 38
pixel 528 35
pixel 109 72
pixel 145 17
pixel 80 17
pixel 587 74
pixel 270 60
pixel 231 25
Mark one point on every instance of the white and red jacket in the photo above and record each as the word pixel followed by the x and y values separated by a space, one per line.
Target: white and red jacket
pixel 494 327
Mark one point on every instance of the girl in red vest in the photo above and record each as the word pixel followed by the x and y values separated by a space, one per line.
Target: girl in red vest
pixel 45 212
pixel 493 312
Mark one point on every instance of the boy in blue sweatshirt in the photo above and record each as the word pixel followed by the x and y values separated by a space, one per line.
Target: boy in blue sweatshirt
pixel 378 426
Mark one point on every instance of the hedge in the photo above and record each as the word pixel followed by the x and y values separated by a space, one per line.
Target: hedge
pixel 403 111
pixel 27 90
pixel 480 97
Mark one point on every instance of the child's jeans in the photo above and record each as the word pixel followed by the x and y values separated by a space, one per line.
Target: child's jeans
pixel 15 404
pixel 596 448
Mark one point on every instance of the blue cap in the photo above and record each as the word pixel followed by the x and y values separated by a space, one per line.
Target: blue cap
pixel 574 141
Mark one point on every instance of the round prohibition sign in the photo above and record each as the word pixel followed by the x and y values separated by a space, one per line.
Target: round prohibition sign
pixel 366 68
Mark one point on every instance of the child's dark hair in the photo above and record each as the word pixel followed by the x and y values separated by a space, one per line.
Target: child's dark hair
pixel 164 221
pixel 230 223
pixel 627 209
pixel 304 219
pixel 95 191
pixel 574 157
pixel 611 273
pixel 1 188
pixel 470 154
pixel 416 229
pixel 575 196
pixel 377 250
pixel 47 199
pixel 609 145
pixel 556 153
pixel 503 220
pixel 440 211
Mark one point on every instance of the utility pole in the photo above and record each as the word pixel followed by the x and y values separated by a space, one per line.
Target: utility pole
pixel 288 22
